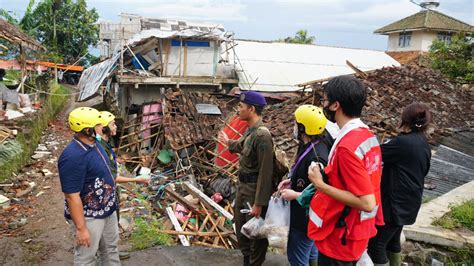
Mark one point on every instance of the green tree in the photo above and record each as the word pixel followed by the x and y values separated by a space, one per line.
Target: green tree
pixel 66 27
pixel 454 59
pixel 300 37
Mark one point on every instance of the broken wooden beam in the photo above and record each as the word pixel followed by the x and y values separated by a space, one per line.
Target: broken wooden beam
pixel 177 226
pixel 206 200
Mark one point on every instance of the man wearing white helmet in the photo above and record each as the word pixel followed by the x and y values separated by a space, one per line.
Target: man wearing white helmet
pixel 89 188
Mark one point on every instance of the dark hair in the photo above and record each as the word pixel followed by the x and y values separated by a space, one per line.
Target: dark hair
pixel 416 117
pixel 349 92
pixel 2 73
pixel 258 109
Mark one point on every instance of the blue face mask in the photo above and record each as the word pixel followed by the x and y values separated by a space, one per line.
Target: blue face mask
pixel 98 137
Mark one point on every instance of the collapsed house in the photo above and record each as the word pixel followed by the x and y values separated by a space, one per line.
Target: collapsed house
pixel 162 54
pixel 169 83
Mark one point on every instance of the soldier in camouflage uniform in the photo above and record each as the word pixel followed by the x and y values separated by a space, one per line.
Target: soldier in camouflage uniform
pixel 255 176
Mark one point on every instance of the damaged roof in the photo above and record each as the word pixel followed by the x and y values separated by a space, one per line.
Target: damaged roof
pixel 280 67
pixel 184 124
pixel 166 29
pixel 13 34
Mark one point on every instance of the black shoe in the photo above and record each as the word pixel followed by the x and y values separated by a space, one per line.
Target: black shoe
pixel 246 260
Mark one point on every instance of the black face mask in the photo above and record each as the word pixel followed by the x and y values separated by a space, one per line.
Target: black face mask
pixel 330 115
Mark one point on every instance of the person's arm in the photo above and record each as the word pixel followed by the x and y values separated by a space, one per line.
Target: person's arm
pixel 76 209
pixel 264 191
pixel 234 146
pixel 391 151
pixel 141 180
pixel 72 172
pixel 359 194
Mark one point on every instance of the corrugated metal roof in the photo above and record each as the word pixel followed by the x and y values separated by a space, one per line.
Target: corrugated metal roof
pixel 279 67
pixel 92 78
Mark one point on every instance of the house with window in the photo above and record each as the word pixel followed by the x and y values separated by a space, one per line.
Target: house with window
pixel 413 35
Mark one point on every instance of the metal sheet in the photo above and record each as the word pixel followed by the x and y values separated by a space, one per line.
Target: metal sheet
pixel 279 67
pixel 209 109
pixel 92 78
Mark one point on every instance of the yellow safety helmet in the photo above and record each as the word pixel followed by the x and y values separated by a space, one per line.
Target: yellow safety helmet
pixel 83 117
pixel 312 118
pixel 106 117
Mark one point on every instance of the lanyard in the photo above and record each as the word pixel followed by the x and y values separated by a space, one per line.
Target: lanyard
pixel 293 168
pixel 105 162
pixel 102 156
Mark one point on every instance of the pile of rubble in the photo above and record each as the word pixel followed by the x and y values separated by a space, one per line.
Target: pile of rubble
pixel 20 194
pixel 393 88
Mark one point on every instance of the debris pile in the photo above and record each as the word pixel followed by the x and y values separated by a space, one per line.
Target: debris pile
pixel 20 194
pixel 393 88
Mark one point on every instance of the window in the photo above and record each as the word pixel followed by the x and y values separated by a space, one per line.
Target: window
pixel 445 36
pixel 190 43
pixel 404 39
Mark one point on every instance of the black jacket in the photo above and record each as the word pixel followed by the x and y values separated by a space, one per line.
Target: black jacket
pixel 406 162
pixel 299 181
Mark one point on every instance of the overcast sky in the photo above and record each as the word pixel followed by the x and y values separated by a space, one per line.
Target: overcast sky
pixel 346 23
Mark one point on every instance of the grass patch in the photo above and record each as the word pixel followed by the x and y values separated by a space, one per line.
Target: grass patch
pixel 33 127
pixel 458 216
pixel 147 234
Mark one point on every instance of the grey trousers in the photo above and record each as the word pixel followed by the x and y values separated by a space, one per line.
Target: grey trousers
pixel 104 234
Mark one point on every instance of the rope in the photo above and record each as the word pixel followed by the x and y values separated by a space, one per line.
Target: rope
pixel 49 93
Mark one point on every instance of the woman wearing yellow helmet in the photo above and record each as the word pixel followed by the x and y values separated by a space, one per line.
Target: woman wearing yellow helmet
pixel 105 138
pixel 105 133
pixel 315 143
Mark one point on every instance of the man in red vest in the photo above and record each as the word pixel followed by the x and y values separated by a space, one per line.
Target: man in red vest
pixel 346 206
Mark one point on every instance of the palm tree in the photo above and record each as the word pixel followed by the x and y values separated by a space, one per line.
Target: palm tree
pixel 302 37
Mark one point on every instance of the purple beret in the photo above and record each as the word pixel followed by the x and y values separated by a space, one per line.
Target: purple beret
pixel 253 98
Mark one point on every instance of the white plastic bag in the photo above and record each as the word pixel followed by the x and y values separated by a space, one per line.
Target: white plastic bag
pixel 277 222
pixel 365 260
pixel 253 228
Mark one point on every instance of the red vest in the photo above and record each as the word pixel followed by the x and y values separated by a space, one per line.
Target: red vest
pixel 356 166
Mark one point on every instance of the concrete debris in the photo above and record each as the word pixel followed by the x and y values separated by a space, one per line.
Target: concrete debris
pixel 4 202
pixel 31 186
pixel 46 172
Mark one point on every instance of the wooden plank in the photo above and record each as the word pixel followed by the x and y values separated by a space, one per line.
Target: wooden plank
pixel 181 200
pixel 199 234
pixel 358 71
pixel 215 224
pixel 204 244
pixel 205 199
pixel 177 226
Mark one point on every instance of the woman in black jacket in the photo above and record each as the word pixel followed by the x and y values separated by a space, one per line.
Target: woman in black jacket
pixel 315 143
pixel 406 162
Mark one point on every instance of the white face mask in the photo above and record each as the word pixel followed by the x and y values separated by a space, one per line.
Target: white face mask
pixel 295 131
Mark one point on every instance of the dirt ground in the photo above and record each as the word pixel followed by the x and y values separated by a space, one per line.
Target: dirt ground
pixel 45 239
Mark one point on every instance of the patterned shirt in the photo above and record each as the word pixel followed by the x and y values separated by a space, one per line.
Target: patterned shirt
pixel 84 168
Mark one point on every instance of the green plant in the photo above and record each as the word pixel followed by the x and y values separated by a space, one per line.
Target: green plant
pixel 147 234
pixel 301 36
pixel 66 27
pixel 33 127
pixel 454 59
pixel 458 216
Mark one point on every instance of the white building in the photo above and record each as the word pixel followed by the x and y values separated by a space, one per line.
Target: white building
pixel 415 34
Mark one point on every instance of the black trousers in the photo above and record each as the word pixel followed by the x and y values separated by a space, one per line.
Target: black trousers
pixel 387 239
pixel 327 261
